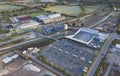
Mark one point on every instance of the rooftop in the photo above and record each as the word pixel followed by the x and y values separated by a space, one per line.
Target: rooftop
pixel 83 35
pixel 90 37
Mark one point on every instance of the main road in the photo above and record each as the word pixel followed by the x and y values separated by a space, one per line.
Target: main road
pixel 103 52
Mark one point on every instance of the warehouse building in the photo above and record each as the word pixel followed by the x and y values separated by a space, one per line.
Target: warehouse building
pixel 20 19
pixel 9 59
pixel 89 37
pixel 50 18
pixel 29 24
pixel 50 29
pixel 23 22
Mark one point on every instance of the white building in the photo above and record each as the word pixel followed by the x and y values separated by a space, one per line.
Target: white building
pixel 30 24
pixel 89 37
pixel 117 46
pixel 50 18
pixel 83 35
pixel 7 60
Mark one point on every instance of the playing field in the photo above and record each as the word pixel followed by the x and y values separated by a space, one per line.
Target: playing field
pixel 64 9
pixel 9 7
pixel 40 13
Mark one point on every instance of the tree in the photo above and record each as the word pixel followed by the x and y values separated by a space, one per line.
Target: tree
pixel 64 2
pixel 66 72
pixel 79 75
pixel 82 24
pixel 83 10
pixel 118 30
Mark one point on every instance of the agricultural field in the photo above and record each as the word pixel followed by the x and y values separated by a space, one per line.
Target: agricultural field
pixel 72 10
pixel 65 9
pixel 3 2
pixel 90 9
pixel 8 7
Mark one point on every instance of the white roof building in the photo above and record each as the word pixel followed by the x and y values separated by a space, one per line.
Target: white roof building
pixel 54 15
pixel 15 56
pixel 35 50
pixel 7 60
pixel 29 24
pixel 117 46
pixel 87 36
pixel 50 18
pixel 31 48
pixel 83 35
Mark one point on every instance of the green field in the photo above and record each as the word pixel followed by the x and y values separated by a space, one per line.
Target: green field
pixel 64 9
pixel 40 13
pixel 90 9
pixel 71 10
pixel 3 2
pixel 8 7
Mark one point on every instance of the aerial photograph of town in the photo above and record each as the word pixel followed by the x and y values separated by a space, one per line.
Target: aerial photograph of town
pixel 59 37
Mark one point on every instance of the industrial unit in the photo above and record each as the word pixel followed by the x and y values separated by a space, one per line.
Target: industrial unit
pixel 89 37
pixel 29 24
pixel 21 18
pixel 50 18
pixel 23 22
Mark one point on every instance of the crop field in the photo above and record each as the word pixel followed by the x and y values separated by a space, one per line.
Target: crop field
pixel 90 9
pixel 67 10
pixel 40 13
pixel 8 7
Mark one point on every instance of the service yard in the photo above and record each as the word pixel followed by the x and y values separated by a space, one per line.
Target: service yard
pixel 31 68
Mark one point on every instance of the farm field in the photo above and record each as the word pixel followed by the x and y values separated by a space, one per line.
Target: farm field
pixel 8 7
pixel 67 10
pixel 90 9
pixel 3 2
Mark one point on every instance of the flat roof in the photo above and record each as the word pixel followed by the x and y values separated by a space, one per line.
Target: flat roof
pixel 7 59
pixel 83 35
pixel 15 56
